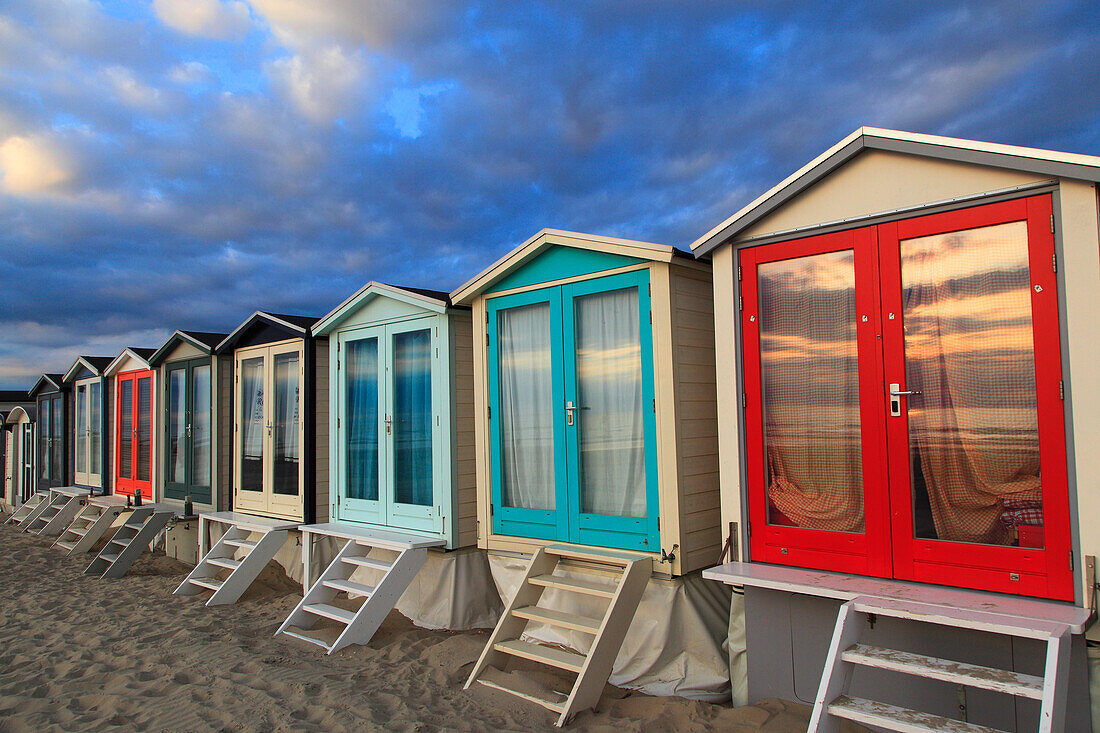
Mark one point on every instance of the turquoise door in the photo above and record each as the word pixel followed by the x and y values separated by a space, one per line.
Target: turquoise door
pixel 572 418
pixel 388 426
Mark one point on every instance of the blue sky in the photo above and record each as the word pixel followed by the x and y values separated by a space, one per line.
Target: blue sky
pixel 181 163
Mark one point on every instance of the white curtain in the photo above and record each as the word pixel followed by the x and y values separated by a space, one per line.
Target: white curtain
pixel 609 395
pixel 526 407
pixel 252 407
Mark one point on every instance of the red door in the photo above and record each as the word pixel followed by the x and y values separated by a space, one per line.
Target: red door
pixel 903 401
pixel 134 434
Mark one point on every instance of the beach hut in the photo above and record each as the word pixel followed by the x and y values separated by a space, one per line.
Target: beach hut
pixel 906 351
pixel 89 457
pixel 50 394
pixel 596 455
pixel 275 455
pixel 402 471
pixel 131 406
pixel 19 460
pixel 9 400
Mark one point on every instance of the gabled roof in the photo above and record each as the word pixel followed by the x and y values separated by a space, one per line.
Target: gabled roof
pixel 1028 160
pixel 293 325
pixel 94 364
pixel 549 237
pixel 140 354
pixel 45 381
pixel 204 341
pixel 431 300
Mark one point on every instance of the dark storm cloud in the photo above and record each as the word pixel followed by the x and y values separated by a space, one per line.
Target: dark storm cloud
pixel 180 164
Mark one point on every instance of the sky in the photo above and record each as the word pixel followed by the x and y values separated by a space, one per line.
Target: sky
pixel 179 164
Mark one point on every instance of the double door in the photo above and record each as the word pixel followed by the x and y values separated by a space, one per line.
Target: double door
pixel 134 434
pixel 903 401
pixel 88 432
pixel 51 441
pixel 269 430
pixel 572 420
pixel 187 430
pixel 389 428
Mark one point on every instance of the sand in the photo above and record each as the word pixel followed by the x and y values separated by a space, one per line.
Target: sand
pixel 79 653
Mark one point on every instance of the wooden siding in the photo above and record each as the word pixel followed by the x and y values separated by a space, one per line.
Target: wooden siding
pixel 182 350
pixel 224 438
pixel 321 424
pixel 696 417
pixel 463 453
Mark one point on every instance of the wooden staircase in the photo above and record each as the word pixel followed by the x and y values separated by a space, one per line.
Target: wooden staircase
pixel 237 558
pixel 592 668
pixel 65 503
pixel 834 703
pixel 29 510
pixel 49 508
pixel 130 540
pixel 378 600
pixel 90 524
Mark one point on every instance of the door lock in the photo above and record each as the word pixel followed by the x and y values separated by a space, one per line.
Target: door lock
pixel 896 393
pixel 570 408
pixel 389 424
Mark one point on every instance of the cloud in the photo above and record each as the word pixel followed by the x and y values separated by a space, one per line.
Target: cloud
pixel 31 166
pixel 210 18
pixel 190 73
pixel 322 84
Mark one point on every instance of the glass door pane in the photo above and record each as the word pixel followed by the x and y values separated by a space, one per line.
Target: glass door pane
pixel 80 442
pixel 608 412
pixel 95 431
pixel 126 428
pixel 361 418
pixel 811 403
pixel 44 443
pixel 970 361
pixel 286 424
pixel 412 417
pixel 176 415
pixel 144 428
pixel 199 432
pixel 252 428
pixel 527 410
pixel 57 442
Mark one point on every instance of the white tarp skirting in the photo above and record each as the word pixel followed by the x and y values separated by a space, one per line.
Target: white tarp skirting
pixel 676 644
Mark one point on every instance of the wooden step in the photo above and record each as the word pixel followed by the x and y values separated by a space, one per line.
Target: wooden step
pixel 549 655
pixel 904 720
pixel 108 558
pixel 123 542
pixel 241 543
pixel 946 670
pixel 549 699
pixel 368 562
pixel 134 525
pixel 332 612
pixel 577 585
pixel 79 532
pixel 306 637
pixel 66 545
pixel 210 583
pixel 593 554
pixel 224 562
pixel 346 586
pixel 559 618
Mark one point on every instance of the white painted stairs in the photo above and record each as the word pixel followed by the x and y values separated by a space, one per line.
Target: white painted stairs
pixel 834 703
pixel 130 540
pixel 629 575
pixel 90 524
pixel 237 558
pixel 64 504
pixel 30 509
pixel 359 624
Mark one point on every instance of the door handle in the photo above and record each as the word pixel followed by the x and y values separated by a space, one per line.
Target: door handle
pixel 896 393
pixel 570 408
pixel 389 424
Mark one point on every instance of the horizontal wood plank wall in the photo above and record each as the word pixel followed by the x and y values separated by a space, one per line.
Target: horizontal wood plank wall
pixel 700 496
pixel 463 451
pixel 225 432
pixel 321 409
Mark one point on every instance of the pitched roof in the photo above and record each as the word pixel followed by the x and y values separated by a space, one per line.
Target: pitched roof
pixel 294 324
pixel 432 300
pixel 50 378
pixel 94 364
pixel 202 340
pixel 1032 160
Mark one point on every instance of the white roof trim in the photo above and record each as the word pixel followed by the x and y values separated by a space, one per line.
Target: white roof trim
pixel 80 361
pixel 118 361
pixel 248 321
pixel 9 420
pixel 178 335
pixel 1047 162
pixel 363 294
pixel 545 238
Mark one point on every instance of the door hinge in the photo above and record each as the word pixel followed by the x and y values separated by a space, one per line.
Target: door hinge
pixel 1071 560
pixel 740 303
pixel 739 273
pixel 655 404
pixel 651 317
pixel 337 423
pixel 1054 262
pixel 489 412
pixel 1052 223
pixel 649 289
pixel 744 399
pixel 491 507
pixel 486 339
pixel 658 524
pixel 1061 389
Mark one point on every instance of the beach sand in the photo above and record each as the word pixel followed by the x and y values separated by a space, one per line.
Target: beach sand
pixel 80 653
